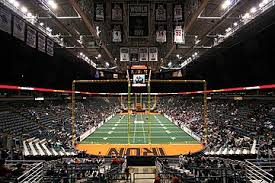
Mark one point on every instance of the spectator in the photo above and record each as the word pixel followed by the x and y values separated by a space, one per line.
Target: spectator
pixel 175 179
pixel 19 170
pixel 127 172
pixel 4 171
pixel 157 179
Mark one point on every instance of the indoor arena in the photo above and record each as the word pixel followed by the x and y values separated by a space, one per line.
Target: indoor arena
pixel 137 91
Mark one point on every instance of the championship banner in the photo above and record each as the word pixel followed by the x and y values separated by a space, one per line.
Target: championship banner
pixel 161 34
pixel 117 11
pixel 19 28
pixel 117 34
pixel 99 12
pixel 96 74
pixel 179 35
pixel 50 46
pixel 160 12
pixel 143 54
pixel 101 74
pixel 5 21
pixel 115 76
pixel 178 13
pixel 138 20
pixel 31 37
pixel 153 54
pixel 133 54
pixel 124 55
pixel 41 42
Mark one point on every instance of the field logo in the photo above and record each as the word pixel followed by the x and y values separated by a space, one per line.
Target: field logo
pixel 155 151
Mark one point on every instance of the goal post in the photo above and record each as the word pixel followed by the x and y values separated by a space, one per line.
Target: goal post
pixel 73 104
pixel 204 114
pixel 151 98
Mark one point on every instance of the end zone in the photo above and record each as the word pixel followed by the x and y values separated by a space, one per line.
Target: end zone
pixel 140 149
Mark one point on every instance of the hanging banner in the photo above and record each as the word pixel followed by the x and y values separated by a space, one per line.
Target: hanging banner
pixel 117 9
pixel 96 74
pixel 143 54
pixel 19 28
pixel 178 13
pixel 161 34
pixel 133 54
pixel 41 42
pixel 5 20
pixel 153 54
pixel 138 20
pixel 50 47
pixel 179 35
pixel 31 37
pixel 160 12
pixel 99 12
pixel 101 74
pixel 117 34
pixel 124 55
pixel 115 76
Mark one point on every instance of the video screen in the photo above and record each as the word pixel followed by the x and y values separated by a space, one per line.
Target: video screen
pixel 139 80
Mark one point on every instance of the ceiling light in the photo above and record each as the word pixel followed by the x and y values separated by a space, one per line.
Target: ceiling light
pixel 81 53
pixel 52 4
pixel 99 56
pixel 29 14
pixel 11 1
pixel 49 29
pixel 228 29
pixel 16 4
pixel 24 9
pixel 178 55
pixel 246 16
pixel 226 4
pixel 253 10
pixel 265 2
pixel 235 24
pixel 41 24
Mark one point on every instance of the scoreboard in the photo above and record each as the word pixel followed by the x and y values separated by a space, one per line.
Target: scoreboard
pixel 139 75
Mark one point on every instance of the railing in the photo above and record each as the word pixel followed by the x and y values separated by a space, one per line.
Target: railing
pixel 35 174
pixel 257 170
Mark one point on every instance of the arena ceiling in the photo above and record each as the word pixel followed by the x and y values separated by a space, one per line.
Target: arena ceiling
pixel 73 21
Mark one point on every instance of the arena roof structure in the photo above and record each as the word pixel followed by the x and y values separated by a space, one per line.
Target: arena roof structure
pixel 76 26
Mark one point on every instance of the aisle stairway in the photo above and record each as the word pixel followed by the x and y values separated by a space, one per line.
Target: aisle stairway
pixel 145 174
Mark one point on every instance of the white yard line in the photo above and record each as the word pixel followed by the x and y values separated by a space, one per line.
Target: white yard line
pixel 143 130
pixel 134 138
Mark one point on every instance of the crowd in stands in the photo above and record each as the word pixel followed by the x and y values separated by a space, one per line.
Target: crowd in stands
pixel 49 120
pixel 231 124
pixel 201 169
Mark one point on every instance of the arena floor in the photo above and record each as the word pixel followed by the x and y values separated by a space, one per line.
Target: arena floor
pixel 165 135
pixel 115 131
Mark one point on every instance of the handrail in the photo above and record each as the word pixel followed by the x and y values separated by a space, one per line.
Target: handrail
pixel 254 172
pixel 31 174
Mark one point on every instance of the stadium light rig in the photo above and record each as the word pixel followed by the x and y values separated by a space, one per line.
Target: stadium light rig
pixel 226 4
pixel 52 4
pixel 245 18
pixel 82 56
pixel 24 13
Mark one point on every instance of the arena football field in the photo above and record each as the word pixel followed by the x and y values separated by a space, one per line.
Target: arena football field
pixel 163 131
